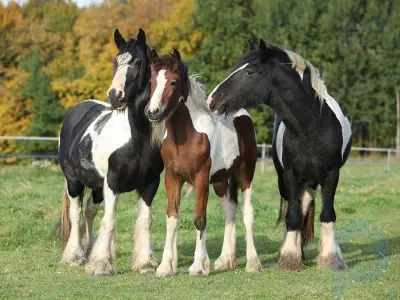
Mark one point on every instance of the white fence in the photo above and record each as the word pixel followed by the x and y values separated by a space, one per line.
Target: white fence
pixel 263 159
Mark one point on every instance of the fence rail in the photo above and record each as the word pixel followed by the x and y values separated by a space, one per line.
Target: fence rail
pixel 263 159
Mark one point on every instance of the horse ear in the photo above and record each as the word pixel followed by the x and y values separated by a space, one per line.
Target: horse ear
pixel 177 55
pixel 251 46
pixel 119 40
pixel 262 49
pixel 141 37
pixel 154 54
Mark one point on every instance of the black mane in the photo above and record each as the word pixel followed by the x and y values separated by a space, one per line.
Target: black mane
pixel 133 47
pixel 272 50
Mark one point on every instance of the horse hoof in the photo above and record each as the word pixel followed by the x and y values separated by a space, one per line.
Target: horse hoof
pixel 164 270
pixel 332 261
pixel 197 269
pixel 144 265
pixel 74 257
pixel 224 263
pixel 100 268
pixel 253 265
pixel 290 261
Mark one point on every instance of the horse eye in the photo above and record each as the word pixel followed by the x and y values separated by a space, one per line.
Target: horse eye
pixel 249 72
pixel 173 83
pixel 138 62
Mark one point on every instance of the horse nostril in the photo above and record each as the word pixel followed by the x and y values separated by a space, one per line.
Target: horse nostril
pixel 119 95
pixel 211 102
pixel 156 110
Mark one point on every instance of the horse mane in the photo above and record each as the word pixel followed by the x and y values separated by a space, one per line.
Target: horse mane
pixel 300 64
pixel 296 61
pixel 198 94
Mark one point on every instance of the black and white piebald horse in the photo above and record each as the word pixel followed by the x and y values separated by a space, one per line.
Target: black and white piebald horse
pixel 109 149
pixel 312 140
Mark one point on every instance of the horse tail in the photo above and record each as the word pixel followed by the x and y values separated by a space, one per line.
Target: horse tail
pixel 233 189
pixel 280 216
pixel 307 231
pixel 64 224
pixel 190 191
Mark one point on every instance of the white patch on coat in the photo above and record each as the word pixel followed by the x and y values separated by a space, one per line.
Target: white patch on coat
pixel 237 70
pixel 103 252
pixel 279 142
pixel 170 255
pixel 292 243
pixel 308 196
pixel 73 252
pixel 155 101
pixel 327 244
pixel 143 252
pixel 118 82
pixel 115 134
pixel 201 264
pixel 344 121
pixel 220 130
pixel 228 253
pixel 248 219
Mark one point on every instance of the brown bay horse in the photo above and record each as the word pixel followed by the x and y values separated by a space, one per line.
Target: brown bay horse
pixel 201 149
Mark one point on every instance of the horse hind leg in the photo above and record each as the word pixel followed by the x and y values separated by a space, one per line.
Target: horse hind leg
pixel 227 259
pixel 201 263
pixel 253 262
pixel 143 259
pixel 91 209
pixel 73 252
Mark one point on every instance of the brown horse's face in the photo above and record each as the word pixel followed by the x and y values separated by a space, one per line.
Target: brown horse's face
pixel 166 93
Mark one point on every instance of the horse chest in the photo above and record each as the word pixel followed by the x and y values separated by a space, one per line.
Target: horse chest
pixel 115 133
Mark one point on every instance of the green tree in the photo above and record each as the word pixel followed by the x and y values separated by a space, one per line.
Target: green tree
pixel 227 25
pixel 47 113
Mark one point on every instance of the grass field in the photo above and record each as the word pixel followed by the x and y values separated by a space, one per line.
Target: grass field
pixel 368 223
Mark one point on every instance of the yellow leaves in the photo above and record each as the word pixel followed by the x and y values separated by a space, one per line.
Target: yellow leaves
pixel 71 93
pixel 177 31
pixel 14 114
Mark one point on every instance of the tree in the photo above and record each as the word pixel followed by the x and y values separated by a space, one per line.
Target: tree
pixel 227 25
pixel 47 113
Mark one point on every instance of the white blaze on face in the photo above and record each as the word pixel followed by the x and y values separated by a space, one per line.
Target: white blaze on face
pixel 119 79
pixel 230 75
pixel 155 101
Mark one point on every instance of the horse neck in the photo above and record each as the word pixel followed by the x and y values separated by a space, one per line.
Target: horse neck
pixel 298 110
pixel 138 121
pixel 180 124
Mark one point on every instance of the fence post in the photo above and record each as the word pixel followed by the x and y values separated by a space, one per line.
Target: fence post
pixel 263 148
pixel 388 160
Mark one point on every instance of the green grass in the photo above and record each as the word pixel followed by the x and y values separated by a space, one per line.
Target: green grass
pixel 368 231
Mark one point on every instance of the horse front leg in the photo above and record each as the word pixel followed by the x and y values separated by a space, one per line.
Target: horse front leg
pixel 330 255
pixel 291 251
pixel 142 255
pixel 201 264
pixel 102 257
pixel 169 261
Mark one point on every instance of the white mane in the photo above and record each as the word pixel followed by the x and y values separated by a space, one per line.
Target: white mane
pixel 300 64
pixel 197 94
